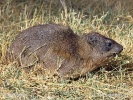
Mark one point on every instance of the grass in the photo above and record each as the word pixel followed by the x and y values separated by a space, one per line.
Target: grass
pixel 108 17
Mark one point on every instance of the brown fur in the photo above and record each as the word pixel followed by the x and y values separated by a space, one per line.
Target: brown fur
pixel 61 51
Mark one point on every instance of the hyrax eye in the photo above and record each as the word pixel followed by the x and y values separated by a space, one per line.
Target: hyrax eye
pixel 109 44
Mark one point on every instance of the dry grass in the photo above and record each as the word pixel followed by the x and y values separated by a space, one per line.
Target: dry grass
pixel 112 18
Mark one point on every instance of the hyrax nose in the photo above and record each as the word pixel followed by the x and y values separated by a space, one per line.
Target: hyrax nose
pixel 120 49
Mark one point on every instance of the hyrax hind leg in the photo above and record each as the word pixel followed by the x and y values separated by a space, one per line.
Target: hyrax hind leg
pixel 57 65
pixel 50 61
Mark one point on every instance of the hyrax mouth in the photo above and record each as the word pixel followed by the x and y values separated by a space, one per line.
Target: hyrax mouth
pixel 113 55
pixel 117 52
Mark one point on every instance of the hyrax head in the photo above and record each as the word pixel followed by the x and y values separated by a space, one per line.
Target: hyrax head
pixel 102 46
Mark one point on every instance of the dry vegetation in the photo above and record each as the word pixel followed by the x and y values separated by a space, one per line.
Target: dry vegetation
pixel 112 18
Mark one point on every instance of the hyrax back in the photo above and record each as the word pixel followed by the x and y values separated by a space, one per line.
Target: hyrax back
pixel 61 51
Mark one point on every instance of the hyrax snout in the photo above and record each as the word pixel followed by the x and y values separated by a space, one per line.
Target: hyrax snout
pixel 61 51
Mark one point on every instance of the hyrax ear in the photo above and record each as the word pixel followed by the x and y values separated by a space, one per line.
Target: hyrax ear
pixel 92 40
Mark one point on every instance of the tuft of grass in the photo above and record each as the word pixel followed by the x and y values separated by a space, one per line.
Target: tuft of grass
pixel 109 17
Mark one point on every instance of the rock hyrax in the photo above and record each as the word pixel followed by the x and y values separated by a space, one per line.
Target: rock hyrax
pixel 61 51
